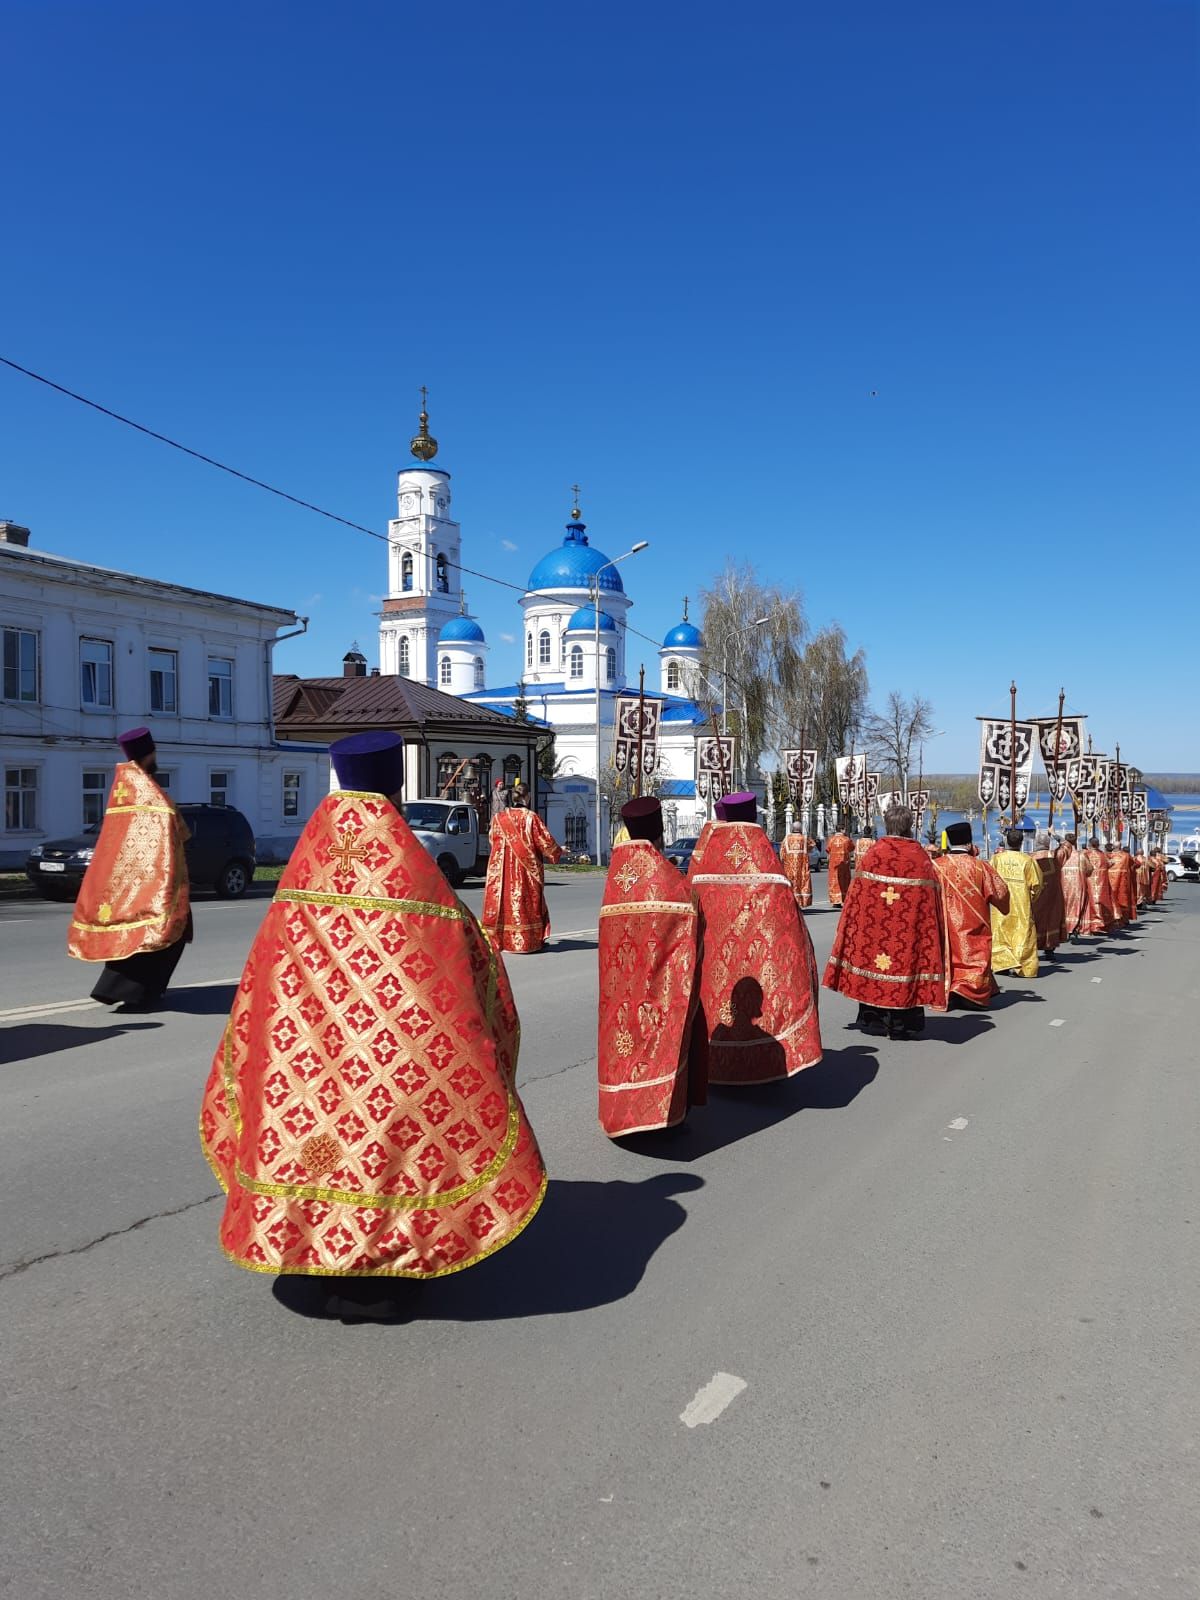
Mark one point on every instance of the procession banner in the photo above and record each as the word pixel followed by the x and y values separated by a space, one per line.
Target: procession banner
pixel 714 766
pixel 872 791
pixel 800 767
pixel 849 776
pixel 1074 772
pixel 1088 801
pixel 1070 740
pixel 1139 812
pixel 997 750
pixel 890 798
pixel 918 804
pixel 634 713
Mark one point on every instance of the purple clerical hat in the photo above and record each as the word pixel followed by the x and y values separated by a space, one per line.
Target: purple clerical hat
pixel 137 743
pixel 643 818
pixel 370 762
pixel 738 808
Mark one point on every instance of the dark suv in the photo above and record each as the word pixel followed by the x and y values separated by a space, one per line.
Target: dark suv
pixel 220 855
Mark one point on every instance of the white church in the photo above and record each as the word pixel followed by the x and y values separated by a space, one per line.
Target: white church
pixel 426 634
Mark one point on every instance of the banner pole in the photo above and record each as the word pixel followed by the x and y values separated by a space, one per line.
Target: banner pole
pixel 1062 695
pixel 1012 750
pixel 637 779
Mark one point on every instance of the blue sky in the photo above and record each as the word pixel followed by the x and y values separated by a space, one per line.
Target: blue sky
pixel 898 301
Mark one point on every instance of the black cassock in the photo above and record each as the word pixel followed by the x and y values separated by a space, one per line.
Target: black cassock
pixel 140 980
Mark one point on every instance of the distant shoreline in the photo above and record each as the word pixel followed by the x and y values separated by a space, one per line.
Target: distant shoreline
pixel 1168 782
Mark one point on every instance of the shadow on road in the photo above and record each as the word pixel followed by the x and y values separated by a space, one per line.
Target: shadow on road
pixel 214 1000
pixel 1014 997
pixel 571 944
pixel 735 1114
pixel 589 1245
pixel 956 1027
pixel 25 1041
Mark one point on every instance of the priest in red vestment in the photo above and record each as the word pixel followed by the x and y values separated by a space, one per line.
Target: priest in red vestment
pixel 758 982
pixel 970 887
pixel 133 909
pixel 362 1113
pixel 1158 876
pixel 1048 910
pixel 839 848
pixel 1141 866
pixel 1074 870
pixel 1099 916
pixel 890 952
pixel 514 897
pixel 861 846
pixel 652 1051
pixel 797 866
pixel 1123 885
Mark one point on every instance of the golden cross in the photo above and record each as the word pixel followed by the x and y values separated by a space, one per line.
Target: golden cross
pixel 628 876
pixel 575 493
pixel 738 853
pixel 424 398
pixel 121 794
pixel 890 895
pixel 347 852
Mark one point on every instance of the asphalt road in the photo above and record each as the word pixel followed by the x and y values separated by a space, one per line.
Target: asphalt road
pixel 940 1300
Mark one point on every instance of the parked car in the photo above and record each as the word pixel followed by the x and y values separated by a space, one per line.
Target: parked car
pixel 449 830
pixel 219 854
pixel 1183 866
pixel 679 854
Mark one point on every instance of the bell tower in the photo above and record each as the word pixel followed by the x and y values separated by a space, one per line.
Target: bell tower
pixel 424 552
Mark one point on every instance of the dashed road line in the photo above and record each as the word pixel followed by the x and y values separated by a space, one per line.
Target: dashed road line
pixel 720 1391
pixel 53 1007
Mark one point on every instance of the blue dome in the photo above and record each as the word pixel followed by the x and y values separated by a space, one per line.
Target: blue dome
pixel 463 630
pixel 574 564
pixel 584 621
pixel 684 637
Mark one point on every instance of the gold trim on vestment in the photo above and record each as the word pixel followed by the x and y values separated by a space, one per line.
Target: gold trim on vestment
pixel 140 922
pixel 229 1077
pixel 396 1202
pixel 917 883
pixel 640 1083
pixel 680 907
pixel 112 811
pixel 741 877
pixel 391 1272
pixel 366 902
pixel 888 977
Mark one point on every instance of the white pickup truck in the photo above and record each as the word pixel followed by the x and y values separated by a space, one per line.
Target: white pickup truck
pixel 449 830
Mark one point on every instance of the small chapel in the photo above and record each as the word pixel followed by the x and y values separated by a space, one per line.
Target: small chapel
pixel 576 653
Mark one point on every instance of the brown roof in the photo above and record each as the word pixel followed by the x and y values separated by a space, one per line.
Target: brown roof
pixel 382 702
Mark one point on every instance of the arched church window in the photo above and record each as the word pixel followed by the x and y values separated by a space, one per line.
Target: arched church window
pixel 406 571
pixel 404 657
pixel 610 664
pixel 543 649
pixel 528 649
pixel 483 774
pixel 444 671
pixel 673 675
pixel 577 661
pixel 512 770
pixel 443 575
pixel 479 672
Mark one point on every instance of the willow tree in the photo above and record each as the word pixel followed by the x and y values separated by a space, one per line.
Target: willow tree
pixel 754 637
pixel 890 734
pixel 827 704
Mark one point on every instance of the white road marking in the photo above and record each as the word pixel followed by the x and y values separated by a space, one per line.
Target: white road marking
pixel 26 1013
pixel 1058 1022
pixel 1097 980
pixel 575 933
pixel 709 1402
pixel 959 1122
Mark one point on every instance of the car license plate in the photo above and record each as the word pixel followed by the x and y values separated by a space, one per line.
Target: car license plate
pixel 53 866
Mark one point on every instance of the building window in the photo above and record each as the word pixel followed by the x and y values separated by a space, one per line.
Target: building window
pixel 449 774
pixel 444 671
pixel 95 674
pixel 20 799
pixel 220 687
pixel 479 672
pixel 404 657
pixel 543 649
pixel 220 787
pixel 610 663
pixel 406 571
pixel 443 575
pixel 164 677
pixel 483 775
pixel 95 792
pixel 20 664
pixel 577 661
pixel 512 770
pixel 673 676
pixel 576 831
pixel 162 778
pixel 528 649
pixel 291 795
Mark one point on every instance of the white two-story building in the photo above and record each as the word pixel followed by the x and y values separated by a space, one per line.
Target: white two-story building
pixel 88 652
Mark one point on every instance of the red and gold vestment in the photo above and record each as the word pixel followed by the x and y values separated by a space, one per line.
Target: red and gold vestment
pixel 362 1113
pixel 1158 878
pixel 861 846
pixel 793 856
pixel 758 976
pixel 1048 908
pixel 652 1050
pixel 514 898
pixel 1123 884
pixel 1098 917
pixel 890 949
pixel 839 847
pixel 970 888
pixel 1074 870
pixel 1142 869
pixel 134 896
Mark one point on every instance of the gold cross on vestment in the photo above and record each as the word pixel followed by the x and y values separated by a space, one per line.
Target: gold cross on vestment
pixel 737 854
pixel 628 876
pixel 121 794
pixel 347 852
pixel 890 895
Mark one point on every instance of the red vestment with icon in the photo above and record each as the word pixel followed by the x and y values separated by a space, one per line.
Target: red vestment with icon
pixel 890 949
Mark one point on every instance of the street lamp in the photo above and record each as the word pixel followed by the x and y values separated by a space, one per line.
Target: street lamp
pixel 594 584
pixel 757 623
